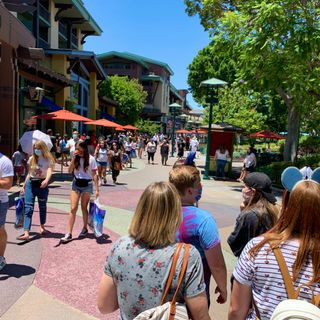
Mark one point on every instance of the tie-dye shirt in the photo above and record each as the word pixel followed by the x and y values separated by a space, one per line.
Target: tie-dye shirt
pixel 200 229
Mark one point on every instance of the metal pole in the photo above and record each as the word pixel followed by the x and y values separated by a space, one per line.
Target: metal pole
pixel 173 130
pixel 206 172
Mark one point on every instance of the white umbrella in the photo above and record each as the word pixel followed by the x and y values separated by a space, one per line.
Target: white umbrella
pixel 30 137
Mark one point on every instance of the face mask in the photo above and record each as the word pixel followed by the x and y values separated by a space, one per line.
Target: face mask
pixel 247 195
pixel 199 195
pixel 75 136
pixel 38 152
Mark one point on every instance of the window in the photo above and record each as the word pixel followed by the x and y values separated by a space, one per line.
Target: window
pixel 118 65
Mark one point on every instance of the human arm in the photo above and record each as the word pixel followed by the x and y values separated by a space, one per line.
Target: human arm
pixel 7 174
pixel 6 182
pixel 71 165
pixel 107 295
pixel 218 270
pixel 47 179
pixel 24 184
pixel 198 307
pixel 240 304
pixel 96 182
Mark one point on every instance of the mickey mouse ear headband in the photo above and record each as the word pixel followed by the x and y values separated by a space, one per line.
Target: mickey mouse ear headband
pixel 291 176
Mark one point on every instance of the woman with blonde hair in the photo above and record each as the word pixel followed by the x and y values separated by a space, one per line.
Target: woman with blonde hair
pixel 41 165
pixel 138 265
pixel 257 274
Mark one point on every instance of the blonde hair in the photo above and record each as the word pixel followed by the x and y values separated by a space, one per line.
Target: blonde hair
pixel 184 177
pixel 45 153
pixel 158 215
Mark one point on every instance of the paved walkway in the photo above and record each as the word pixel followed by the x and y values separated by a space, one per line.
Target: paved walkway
pixel 48 280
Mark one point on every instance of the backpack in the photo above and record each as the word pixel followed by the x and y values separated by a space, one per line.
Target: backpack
pixel 171 310
pixel 292 308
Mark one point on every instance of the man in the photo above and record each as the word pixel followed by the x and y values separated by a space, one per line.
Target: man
pixel 199 228
pixel 71 145
pixel 6 178
pixel 164 151
pixel 194 144
pixel 54 143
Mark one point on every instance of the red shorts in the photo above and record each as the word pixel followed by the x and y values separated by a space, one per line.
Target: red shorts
pixel 19 169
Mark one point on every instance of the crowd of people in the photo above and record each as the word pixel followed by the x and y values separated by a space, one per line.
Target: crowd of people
pixel 169 227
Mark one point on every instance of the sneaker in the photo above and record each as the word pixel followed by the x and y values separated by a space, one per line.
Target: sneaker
pixel 66 238
pixel 2 262
pixel 104 180
pixel 83 233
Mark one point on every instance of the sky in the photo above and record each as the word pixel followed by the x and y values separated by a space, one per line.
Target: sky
pixel 157 29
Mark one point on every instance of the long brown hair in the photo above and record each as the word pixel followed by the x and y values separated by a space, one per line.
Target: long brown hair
pixel 299 220
pixel 86 156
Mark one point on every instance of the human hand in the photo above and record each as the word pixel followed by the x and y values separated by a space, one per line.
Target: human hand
pixel 22 191
pixel 223 295
pixel 44 184
pixel 97 194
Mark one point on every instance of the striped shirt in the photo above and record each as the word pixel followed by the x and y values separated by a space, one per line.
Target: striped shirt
pixel 262 273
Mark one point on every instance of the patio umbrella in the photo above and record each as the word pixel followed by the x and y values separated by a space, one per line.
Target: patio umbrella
pixel 120 129
pixel 30 137
pixel 62 115
pixel 130 127
pixel 183 131
pixel 103 123
pixel 202 131
pixel 266 134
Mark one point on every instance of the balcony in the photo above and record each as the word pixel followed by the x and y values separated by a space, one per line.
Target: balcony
pixel 63 31
pixel 150 109
pixel 44 14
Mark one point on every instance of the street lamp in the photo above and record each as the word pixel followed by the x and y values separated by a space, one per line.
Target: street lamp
pixel 174 110
pixel 210 84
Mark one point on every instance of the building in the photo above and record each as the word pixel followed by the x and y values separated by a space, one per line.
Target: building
pixel 154 76
pixel 60 28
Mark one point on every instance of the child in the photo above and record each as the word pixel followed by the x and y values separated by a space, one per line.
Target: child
pixel 18 159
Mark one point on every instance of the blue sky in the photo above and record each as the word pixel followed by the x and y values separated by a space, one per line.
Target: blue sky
pixel 158 29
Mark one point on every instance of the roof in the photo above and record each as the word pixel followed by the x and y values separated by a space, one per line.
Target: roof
pixel 174 90
pixel 144 61
pixel 150 77
pixel 223 126
pixel 79 11
pixel 88 58
pixel 197 112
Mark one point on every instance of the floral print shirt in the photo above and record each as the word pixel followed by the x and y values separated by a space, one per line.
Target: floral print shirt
pixel 140 274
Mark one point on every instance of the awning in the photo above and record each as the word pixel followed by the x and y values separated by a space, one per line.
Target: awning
pixel 50 104
pixel 107 116
pixel 87 58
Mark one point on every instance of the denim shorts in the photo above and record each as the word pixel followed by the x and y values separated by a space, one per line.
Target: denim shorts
pixel 89 188
pixel 3 212
pixel 102 163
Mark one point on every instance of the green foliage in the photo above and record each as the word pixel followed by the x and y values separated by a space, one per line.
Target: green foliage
pixel 239 109
pixel 310 145
pixel 147 126
pixel 128 93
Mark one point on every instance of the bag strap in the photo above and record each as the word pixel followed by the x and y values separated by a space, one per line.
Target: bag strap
pixel 292 294
pixel 172 271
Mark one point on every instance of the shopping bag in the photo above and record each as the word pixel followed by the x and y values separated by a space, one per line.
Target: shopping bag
pixel 90 215
pixel 133 154
pixel 19 202
pixel 98 218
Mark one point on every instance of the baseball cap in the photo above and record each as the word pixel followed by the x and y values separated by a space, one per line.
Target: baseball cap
pixel 261 182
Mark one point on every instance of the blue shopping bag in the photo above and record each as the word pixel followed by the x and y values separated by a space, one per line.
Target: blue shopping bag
pixel 96 214
pixel 19 202
pixel 90 215
pixel 133 153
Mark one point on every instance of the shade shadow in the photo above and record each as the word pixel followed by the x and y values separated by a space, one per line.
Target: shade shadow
pixel 15 271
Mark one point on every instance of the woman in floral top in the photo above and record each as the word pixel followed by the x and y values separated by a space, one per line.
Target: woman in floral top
pixel 138 265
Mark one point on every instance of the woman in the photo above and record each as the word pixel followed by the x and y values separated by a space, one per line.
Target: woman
pixel 151 150
pixel 140 147
pixel 128 146
pixel 65 151
pixel 297 235
pixel 84 168
pixel 164 151
pixel 259 211
pixel 222 157
pixel 41 165
pixel 115 160
pixel 249 163
pixel 101 155
pixel 181 146
pixel 137 267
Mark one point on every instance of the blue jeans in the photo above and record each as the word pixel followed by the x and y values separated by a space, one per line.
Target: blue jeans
pixel 220 168
pixel 30 194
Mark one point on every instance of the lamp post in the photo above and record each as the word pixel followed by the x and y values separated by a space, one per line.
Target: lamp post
pixel 210 85
pixel 174 109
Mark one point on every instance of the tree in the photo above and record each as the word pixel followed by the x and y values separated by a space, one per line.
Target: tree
pixel 238 109
pixel 147 126
pixel 128 93
pixel 279 46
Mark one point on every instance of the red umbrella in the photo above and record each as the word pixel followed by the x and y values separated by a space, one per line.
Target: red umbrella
pixel 266 134
pixel 120 129
pixel 130 127
pixel 104 123
pixel 62 115
pixel 183 131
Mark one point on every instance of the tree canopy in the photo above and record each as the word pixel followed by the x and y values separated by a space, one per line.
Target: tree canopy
pixel 129 94
pixel 274 46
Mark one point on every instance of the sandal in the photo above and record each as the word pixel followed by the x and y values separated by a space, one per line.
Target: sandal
pixel 43 232
pixel 23 238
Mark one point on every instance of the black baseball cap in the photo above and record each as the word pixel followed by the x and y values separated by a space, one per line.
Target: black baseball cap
pixel 261 182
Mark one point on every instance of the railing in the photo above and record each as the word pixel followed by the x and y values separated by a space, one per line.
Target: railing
pixel 63 30
pixel 44 13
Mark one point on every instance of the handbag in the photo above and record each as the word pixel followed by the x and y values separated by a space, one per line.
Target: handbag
pixel 19 201
pixel 81 183
pixel 171 310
